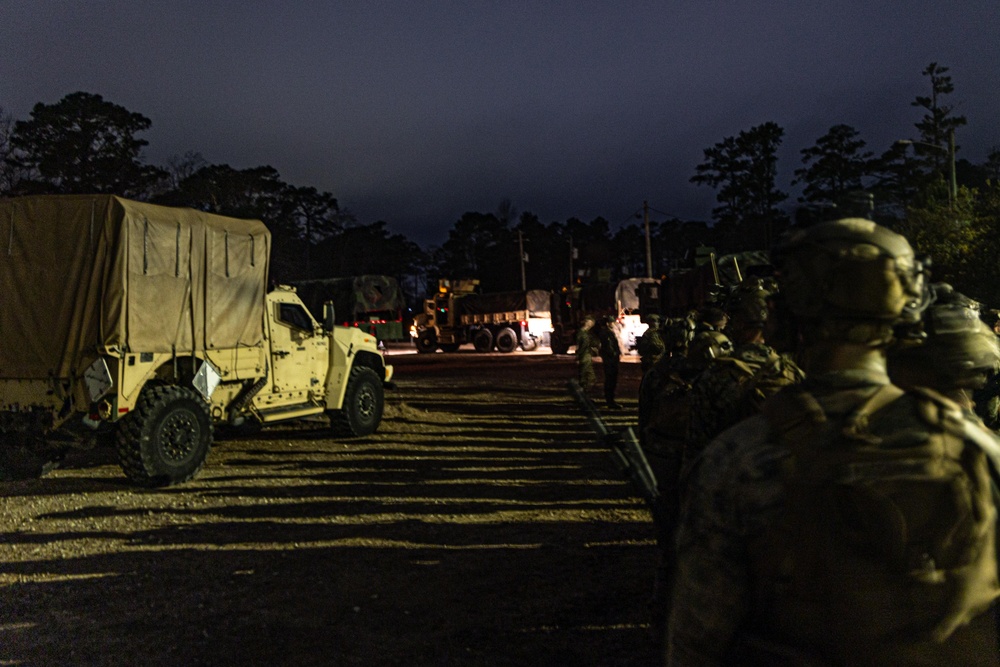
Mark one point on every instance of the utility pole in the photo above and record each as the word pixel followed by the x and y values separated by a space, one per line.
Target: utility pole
pixel 520 250
pixel 649 250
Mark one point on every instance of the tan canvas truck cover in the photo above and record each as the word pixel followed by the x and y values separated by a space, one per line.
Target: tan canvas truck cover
pixel 626 294
pixel 535 302
pixel 82 275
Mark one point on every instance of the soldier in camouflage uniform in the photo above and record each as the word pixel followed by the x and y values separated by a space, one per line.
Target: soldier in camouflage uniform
pixel 611 354
pixel 586 343
pixel 710 318
pixel 677 333
pixel 735 387
pixel 987 397
pixel 955 353
pixel 651 345
pixel 664 416
pixel 741 594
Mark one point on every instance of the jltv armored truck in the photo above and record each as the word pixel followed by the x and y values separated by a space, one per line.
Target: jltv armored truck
pixel 150 326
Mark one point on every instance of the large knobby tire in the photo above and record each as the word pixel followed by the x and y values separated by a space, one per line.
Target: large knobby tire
pixel 166 439
pixel 557 341
pixel 506 340
pixel 482 340
pixel 363 402
pixel 426 343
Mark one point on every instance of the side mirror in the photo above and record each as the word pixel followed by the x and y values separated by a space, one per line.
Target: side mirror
pixel 329 316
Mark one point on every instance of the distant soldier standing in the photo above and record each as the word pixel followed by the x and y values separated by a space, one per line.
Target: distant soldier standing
pixel 611 353
pixel 851 523
pixel 651 345
pixel 585 344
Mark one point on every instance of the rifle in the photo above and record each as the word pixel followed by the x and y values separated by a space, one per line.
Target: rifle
pixel 625 451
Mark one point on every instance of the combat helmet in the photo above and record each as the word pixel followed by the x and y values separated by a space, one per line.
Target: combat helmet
pixel 850 280
pixel 708 345
pixel 747 309
pixel 958 350
pixel 677 334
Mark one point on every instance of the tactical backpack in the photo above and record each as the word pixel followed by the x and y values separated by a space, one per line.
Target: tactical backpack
pixel 731 390
pixel 886 552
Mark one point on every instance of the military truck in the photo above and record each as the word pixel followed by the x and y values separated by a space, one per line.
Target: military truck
pixel 709 280
pixel 617 299
pixel 458 314
pixel 372 303
pixel 147 326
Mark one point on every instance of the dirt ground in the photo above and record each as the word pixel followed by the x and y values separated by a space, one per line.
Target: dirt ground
pixel 481 525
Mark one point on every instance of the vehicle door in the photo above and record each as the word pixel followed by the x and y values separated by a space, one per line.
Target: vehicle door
pixel 299 349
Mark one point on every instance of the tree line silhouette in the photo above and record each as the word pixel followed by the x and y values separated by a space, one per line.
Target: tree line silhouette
pixel 947 206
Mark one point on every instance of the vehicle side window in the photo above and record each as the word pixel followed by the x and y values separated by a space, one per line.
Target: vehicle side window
pixel 295 315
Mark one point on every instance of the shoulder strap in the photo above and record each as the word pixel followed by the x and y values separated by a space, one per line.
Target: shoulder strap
pixel 793 414
pixel 743 367
pixel 797 418
pixel 857 423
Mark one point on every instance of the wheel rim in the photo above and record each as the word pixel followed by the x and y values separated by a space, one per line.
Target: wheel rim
pixel 179 435
pixel 366 403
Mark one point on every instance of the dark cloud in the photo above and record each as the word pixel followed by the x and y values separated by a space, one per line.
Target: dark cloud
pixel 416 112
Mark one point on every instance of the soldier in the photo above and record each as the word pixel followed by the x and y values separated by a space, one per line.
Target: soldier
pixel 987 397
pixel 710 318
pixel 585 344
pixel 664 411
pixel 651 345
pixel 850 522
pixel 959 351
pixel 611 352
pixel 664 416
pixel 677 333
pixel 736 386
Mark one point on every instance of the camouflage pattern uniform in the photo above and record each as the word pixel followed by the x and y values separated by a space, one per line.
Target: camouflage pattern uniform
pixel 734 388
pixel 736 494
pixel 734 499
pixel 664 415
pixel 651 345
pixel 955 352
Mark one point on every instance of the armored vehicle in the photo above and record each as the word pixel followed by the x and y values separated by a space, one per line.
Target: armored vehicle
pixel 148 326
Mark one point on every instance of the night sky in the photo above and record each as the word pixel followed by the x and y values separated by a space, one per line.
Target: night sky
pixel 415 112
